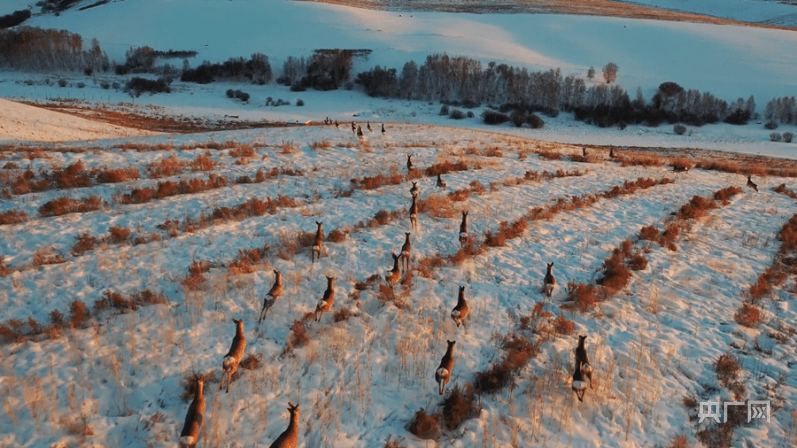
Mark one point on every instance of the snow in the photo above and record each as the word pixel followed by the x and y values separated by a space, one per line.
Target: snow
pixel 28 123
pixel 359 381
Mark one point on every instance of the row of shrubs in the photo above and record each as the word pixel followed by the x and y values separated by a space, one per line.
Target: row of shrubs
pixel 71 176
pixel 16 330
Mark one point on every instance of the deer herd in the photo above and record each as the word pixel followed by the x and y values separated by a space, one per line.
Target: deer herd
pixel 401 264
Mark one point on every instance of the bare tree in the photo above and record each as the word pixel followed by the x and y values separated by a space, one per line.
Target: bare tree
pixel 610 72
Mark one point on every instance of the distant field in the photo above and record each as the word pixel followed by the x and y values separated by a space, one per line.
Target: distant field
pixel 580 7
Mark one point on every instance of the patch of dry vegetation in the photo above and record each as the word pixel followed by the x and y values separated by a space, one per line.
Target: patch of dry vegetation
pixel 783 264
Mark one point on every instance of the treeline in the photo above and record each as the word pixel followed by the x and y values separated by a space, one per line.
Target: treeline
pixel 781 110
pixel 40 50
pixel 324 70
pixel 461 80
pixel 257 69
pixel 142 60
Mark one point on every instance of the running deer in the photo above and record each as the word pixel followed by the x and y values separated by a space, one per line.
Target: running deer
pixel 583 360
pixel 414 191
pixel 337 126
pixel 359 132
pixel 440 182
pixel 275 292
pixel 325 304
pixel 383 129
pixel 611 153
pixel 290 437
pixel 680 168
pixel 584 151
pixel 368 125
pixel 234 356
pixel 443 373
pixel 353 127
pixel 409 163
pixel 414 215
pixel 394 275
pixel 550 280
pixel 579 386
pixel 460 312
pixel 193 419
pixel 463 229
pixel 318 244
pixel 405 253
pixel 751 184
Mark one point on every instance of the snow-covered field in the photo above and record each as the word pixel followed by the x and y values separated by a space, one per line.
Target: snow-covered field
pixel 359 381
pixel 118 381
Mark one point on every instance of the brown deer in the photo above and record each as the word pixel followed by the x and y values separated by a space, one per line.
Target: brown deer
pixel 550 280
pixel 463 229
pixel 583 360
pixel 325 304
pixel 751 184
pixel 318 244
pixel 359 132
pixel 394 275
pixel 414 191
pixel 275 292
pixel 409 163
pixel 233 357
pixel 579 386
pixel 584 151
pixel 290 437
pixel 383 129
pixel 193 419
pixel 440 182
pixel 404 256
pixel 368 125
pixel 611 153
pixel 414 215
pixel 443 373
pixel 460 312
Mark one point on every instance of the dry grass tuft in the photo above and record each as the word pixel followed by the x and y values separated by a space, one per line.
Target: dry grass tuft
pixel 252 361
pixel 458 406
pixel 83 243
pixel 337 236
pixel 519 351
pixel 582 297
pixel 13 217
pixel 424 426
pixel 65 205
pixel 437 206
pixel 748 315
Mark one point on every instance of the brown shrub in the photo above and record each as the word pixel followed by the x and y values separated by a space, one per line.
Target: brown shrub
pixel 65 205
pixel 83 243
pixel 563 326
pixel 170 166
pixel 425 266
pixel 45 256
pixel 118 235
pixel 424 426
pixel 325 144
pixel 519 351
pixel 641 161
pixel 252 361
pixel 727 368
pixel 121 304
pixel 436 206
pixel 337 236
pixel 305 239
pixel 298 336
pixel 637 262
pixel 78 314
pixel 549 155
pixel 380 180
pixel 445 167
pixel 4 271
pixel 57 318
pixel 615 274
pixel 115 176
pixel 459 406
pixel 697 207
pixel 726 194
pixel 582 296
pixel 748 315
pixel 341 315
pixel 505 232
pixel 242 151
pixel 650 233
pixel 203 162
pixel 781 189
pixel 13 217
